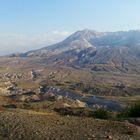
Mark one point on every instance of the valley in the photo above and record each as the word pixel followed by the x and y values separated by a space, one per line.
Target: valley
pixel 79 88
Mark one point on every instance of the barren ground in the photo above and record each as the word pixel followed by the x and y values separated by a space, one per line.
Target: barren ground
pixel 16 124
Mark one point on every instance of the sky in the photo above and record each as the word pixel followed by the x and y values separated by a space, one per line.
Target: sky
pixel 31 24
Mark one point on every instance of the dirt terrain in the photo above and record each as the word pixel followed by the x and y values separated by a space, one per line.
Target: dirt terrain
pixel 27 113
pixel 31 125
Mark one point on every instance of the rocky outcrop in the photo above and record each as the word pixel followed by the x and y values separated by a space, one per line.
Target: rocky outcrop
pixel 80 103
pixel 7 87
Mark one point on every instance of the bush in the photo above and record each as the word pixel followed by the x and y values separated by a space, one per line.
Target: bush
pixel 102 113
pixel 84 112
pixel 81 112
pixel 131 111
pixel 1 137
pixel 10 106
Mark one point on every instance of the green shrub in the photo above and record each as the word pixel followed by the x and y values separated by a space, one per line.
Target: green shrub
pixel 81 112
pixel 131 111
pixel 1 137
pixel 102 113
pixel 134 111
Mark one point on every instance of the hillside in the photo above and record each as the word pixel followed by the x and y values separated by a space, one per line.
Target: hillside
pixel 102 51
pixel 63 91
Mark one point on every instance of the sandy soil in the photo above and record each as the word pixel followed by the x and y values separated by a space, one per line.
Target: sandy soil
pixel 17 124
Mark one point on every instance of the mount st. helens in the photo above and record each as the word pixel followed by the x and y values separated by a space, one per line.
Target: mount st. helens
pixel 89 74
pixel 101 51
pixel 99 63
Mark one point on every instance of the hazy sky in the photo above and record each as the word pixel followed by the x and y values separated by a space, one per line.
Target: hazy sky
pixel 31 24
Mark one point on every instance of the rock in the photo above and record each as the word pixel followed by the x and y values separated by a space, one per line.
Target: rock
pixel 80 103
pixel 66 105
pixel 32 98
pixel 22 98
pixel 4 91
pixel 49 96
pixel 35 98
pixel 109 137
pixel 93 136
pixel 60 97
pixel 43 89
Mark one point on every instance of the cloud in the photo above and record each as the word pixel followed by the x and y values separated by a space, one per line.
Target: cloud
pixel 16 42
pixel 10 43
pixel 61 33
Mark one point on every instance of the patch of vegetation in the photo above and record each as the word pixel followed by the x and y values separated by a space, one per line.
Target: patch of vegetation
pixel 83 112
pixel 10 106
pixel 1 137
pixel 131 111
pixel 102 113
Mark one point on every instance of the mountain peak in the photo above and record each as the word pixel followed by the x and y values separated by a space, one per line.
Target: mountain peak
pixel 85 34
pixel 87 38
pixel 88 31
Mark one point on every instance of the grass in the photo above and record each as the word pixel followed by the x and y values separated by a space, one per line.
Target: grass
pixel 32 112
pixel 1 137
pixel 131 111
pixel 102 113
pixel 134 110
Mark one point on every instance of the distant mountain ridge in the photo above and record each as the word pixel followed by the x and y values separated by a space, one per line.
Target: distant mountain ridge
pixel 111 51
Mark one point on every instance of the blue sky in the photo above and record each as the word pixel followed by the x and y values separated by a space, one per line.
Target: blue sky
pixel 31 24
